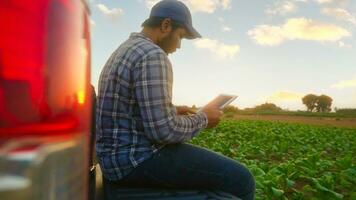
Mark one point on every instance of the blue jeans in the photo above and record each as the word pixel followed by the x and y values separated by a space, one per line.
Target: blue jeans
pixel 185 166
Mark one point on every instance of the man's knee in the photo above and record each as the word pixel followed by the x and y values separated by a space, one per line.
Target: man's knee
pixel 240 180
pixel 250 183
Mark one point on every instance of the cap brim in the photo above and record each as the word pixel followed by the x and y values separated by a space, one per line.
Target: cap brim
pixel 192 33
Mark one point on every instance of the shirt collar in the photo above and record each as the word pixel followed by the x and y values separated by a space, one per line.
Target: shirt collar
pixel 140 35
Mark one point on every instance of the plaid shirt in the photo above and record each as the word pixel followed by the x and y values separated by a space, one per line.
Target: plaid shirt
pixel 135 115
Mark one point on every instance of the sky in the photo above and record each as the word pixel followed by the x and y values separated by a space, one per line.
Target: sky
pixel 274 51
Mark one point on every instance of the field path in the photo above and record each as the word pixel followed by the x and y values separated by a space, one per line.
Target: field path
pixel 338 122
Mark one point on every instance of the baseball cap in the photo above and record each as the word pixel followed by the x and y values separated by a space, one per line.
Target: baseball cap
pixel 177 11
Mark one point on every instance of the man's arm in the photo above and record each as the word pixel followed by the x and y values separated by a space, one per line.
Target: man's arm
pixel 153 88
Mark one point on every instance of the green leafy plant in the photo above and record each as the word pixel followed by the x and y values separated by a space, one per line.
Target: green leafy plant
pixel 289 161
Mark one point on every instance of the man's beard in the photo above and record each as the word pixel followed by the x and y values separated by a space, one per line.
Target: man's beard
pixel 166 43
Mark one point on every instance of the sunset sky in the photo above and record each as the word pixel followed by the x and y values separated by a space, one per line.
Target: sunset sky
pixel 262 51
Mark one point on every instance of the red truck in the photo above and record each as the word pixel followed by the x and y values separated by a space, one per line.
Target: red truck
pixel 45 100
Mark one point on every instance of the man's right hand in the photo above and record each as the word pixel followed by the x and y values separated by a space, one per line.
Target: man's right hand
pixel 213 114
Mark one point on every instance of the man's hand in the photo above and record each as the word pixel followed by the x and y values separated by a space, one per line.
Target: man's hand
pixel 213 115
pixel 184 110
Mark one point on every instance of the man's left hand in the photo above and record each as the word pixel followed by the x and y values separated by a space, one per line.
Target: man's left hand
pixel 184 110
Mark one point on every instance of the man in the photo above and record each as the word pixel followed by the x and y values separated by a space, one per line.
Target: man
pixel 140 134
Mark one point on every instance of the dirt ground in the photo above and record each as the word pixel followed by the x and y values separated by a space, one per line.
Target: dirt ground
pixel 338 122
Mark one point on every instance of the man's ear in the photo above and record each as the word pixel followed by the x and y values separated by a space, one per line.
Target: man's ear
pixel 166 25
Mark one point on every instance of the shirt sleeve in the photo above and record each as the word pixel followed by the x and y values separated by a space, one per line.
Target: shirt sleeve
pixel 153 90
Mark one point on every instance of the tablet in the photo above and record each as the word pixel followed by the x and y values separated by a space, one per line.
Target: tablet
pixel 221 101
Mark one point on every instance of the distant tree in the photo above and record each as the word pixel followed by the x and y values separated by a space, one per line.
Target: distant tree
pixel 324 103
pixel 230 109
pixel 310 101
pixel 267 107
pixel 336 109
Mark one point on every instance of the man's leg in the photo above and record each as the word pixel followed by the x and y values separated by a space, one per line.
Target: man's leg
pixel 185 166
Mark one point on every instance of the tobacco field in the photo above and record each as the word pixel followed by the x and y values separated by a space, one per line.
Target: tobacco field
pixel 289 161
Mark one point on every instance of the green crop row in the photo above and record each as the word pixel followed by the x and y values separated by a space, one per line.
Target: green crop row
pixel 289 161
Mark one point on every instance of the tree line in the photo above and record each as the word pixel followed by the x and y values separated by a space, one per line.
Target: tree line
pixel 314 103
